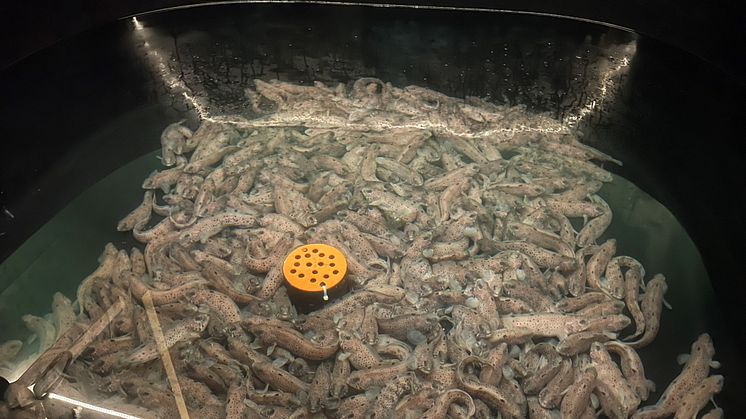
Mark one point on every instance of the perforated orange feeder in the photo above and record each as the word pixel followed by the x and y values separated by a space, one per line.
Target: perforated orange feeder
pixel 314 276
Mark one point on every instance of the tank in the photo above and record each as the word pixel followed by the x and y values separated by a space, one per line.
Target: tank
pixel 537 215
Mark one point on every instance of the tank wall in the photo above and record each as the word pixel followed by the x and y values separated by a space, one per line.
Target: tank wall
pixel 709 30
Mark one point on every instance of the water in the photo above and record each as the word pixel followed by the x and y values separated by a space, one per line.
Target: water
pixel 64 251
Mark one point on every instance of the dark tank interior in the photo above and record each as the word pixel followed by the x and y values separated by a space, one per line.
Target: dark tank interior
pixel 82 121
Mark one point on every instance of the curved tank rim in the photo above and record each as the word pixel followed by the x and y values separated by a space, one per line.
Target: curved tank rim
pixel 387 5
pixel 731 78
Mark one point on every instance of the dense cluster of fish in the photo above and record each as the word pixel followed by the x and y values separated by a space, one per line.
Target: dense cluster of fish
pixel 480 282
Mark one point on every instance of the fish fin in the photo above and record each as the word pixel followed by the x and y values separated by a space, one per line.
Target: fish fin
pixel 372 392
pixel 650 385
pixel 280 362
pixel 682 358
pixel 411 362
pixel 271 348
pixel 611 335
pixel 594 401
pixel 714 364
pixel 667 304
pixel 303 397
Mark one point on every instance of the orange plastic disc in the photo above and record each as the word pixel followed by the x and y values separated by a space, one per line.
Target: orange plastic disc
pixel 312 267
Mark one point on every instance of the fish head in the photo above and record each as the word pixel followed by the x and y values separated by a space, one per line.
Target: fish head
pixel 703 345
pixel 596 349
pixel 200 321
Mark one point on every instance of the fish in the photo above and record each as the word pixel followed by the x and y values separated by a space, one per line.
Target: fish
pixel 234 404
pixel 543 238
pixel 361 355
pixel 633 278
pixel 318 348
pixel 210 226
pixel 695 371
pixel 294 205
pixel 383 405
pixel 320 387
pixel 443 181
pixel 581 342
pixel 542 257
pixel 140 215
pixel 104 271
pixel 43 329
pixel 185 330
pixel 578 396
pixel 588 299
pixel 651 307
pixel 368 165
pixel 449 196
pixel 377 376
pixel 442 403
pixel 573 209
pixel 172 295
pixel 615 279
pixel 621 391
pixel 546 324
pixel 163 179
pixel 596 227
pixel 401 170
pixel 354 407
pixel 597 264
pixel 340 374
pixel 632 368
pixel 9 349
pixel 491 395
pixel 63 314
pixel 397 209
pixel 218 303
pixel 551 395
pixel 279 379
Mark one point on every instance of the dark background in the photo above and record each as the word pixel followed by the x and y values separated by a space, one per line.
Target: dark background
pixel 713 30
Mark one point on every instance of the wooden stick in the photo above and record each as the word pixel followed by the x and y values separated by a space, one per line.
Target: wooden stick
pixel 160 341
